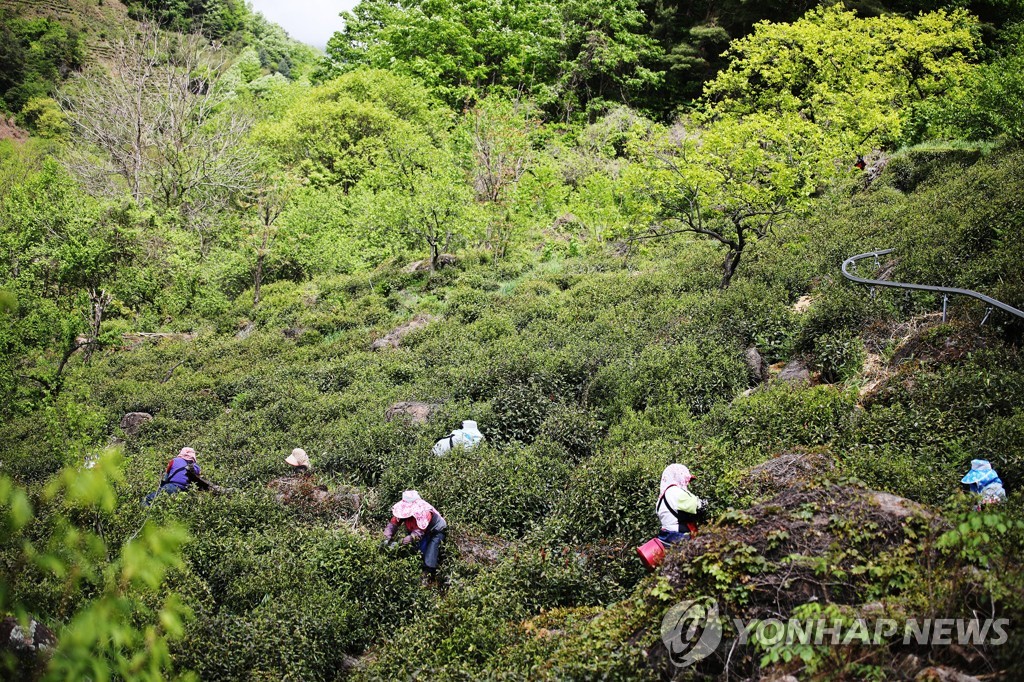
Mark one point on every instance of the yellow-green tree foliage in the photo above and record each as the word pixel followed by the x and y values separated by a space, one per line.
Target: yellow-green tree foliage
pixel 857 78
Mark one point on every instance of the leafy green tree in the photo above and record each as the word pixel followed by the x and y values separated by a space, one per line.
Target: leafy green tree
pixel 990 100
pixel 693 34
pixel 66 253
pixel 35 56
pixel 498 135
pixel 43 115
pixel 419 195
pixel 571 56
pixel 215 18
pixel 334 134
pixel 859 79
pixel 277 51
pixel 248 64
pixel 263 207
pixel 733 180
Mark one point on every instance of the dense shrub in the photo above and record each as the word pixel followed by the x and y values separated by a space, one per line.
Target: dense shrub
pixel 1002 442
pixel 782 417
pixel 572 428
pixel 300 604
pixel 466 305
pixel 837 309
pixel 38 54
pixel 839 356
pixel 612 495
pixel 690 375
pixel 496 490
pixel 751 314
pixel 518 411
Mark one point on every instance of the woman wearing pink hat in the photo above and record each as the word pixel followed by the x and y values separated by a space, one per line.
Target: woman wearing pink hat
pixel 424 525
pixel 182 471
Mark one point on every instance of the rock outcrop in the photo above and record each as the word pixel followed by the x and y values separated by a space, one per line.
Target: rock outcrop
pixel 132 422
pixel 30 648
pixel 795 372
pixel 756 365
pixel 412 411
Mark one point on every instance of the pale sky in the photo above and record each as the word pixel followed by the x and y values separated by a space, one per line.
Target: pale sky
pixel 311 21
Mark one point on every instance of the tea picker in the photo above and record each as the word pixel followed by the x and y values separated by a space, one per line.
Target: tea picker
pixel 679 511
pixel 468 437
pixel 983 481
pixel 423 524
pixel 181 473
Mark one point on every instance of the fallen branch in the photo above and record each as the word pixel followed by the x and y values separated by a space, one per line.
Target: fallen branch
pixel 167 377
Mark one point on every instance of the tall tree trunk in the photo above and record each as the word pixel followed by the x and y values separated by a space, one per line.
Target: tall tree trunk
pixel 100 299
pixel 261 255
pixel 435 254
pixel 732 261
pixel 257 278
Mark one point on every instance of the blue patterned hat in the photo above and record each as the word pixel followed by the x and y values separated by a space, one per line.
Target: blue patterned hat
pixel 981 472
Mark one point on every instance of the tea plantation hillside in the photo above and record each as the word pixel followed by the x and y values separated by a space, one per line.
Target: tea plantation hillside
pixel 588 374
pixel 355 256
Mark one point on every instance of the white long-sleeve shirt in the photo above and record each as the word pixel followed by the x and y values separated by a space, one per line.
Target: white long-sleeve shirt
pixel 681 500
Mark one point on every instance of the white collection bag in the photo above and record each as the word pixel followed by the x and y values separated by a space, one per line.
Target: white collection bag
pixel 468 436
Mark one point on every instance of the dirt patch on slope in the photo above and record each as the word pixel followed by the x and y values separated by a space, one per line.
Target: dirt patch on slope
pixel 792 531
pixel 10 131
pixel 393 339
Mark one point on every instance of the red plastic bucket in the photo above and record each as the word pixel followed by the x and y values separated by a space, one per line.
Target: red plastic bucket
pixel 651 553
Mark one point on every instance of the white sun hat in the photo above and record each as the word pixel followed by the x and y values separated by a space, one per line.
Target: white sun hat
pixel 298 458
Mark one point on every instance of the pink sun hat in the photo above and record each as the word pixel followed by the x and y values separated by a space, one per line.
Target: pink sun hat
pixel 413 506
pixel 675 474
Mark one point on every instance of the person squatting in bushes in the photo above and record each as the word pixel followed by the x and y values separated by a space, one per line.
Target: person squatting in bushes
pixel 423 524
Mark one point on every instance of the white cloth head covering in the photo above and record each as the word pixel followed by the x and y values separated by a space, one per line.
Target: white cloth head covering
pixel 468 436
pixel 675 474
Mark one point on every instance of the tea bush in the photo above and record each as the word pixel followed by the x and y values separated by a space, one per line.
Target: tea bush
pixel 574 429
pixel 750 314
pixel 839 356
pixel 496 490
pixel 612 495
pixel 1002 442
pixel 781 417
pixel 517 413
pixel 836 307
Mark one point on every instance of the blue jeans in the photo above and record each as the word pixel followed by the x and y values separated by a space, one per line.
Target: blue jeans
pixel 430 548
pixel 169 488
pixel 669 537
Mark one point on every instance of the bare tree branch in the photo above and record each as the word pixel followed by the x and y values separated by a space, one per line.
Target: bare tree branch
pixel 156 122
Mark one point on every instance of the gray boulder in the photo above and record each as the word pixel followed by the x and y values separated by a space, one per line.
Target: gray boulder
pixel 796 372
pixel 756 365
pixel 28 648
pixel 132 422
